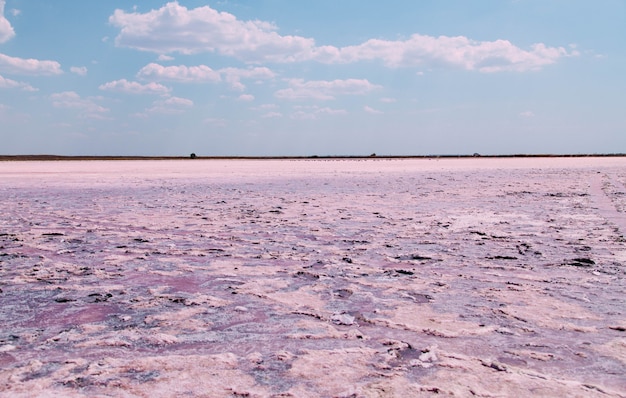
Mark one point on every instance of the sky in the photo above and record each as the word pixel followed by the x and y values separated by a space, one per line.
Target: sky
pixel 304 78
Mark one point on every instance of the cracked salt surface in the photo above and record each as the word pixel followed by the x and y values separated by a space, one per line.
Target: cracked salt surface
pixel 363 278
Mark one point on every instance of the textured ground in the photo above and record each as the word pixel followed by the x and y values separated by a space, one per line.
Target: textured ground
pixel 370 278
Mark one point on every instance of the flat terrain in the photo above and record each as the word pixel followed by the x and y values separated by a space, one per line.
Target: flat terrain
pixel 307 278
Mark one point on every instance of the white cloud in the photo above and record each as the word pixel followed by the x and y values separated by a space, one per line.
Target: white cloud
pixel 312 112
pixel 271 115
pixel 9 113
pixel 324 89
pixel 264 107
pixel 527 114
pixel 460 51
pixel 178 102
pixel 234 75
pixel 15 12
pixel 181 73
pixel 428 110
pixel 172 105
pixel 203 74
pixel 331 111
pixel 8 83
pixel 371 110
pixel 388 100
pixel 6 30
pixel 71 100
pixel 302 115
pixel 246 97
pixel 175 28
pixel 215 122
pixel 79 70
pixel 30 66
pixel 164 57
pixel 574 48
pixel 124 86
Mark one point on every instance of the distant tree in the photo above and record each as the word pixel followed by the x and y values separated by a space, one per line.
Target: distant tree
pixel 373 155
pixel 192 156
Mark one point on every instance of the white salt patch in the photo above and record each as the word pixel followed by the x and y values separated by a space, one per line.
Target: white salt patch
pixel 7 347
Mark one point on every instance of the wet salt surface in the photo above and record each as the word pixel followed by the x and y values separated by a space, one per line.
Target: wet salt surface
pixel 465 277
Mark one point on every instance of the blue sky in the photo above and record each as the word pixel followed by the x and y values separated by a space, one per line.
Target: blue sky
pixel 324 77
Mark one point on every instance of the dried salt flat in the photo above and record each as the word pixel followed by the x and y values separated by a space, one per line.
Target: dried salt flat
pixel 358 278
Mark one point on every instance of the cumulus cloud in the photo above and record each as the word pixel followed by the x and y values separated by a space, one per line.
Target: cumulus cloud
pixel 8 83
pixel 164 57
pixel 71 100
pixel 180 73
pixel 460 51
pixel 125 86
pixel 175 28
pixel 29 66
pixel 324 89
pixel 527 114
pixel 79 70
pixel 6 30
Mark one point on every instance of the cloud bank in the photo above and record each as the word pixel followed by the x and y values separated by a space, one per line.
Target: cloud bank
pixel 176 29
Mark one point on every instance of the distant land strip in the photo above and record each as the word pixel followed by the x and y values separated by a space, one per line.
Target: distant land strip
pixel 338 157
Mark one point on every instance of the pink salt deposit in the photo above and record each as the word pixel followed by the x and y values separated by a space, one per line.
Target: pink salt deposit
pixel 313 278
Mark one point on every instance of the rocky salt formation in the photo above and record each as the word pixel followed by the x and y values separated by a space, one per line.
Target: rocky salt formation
pixel 377 278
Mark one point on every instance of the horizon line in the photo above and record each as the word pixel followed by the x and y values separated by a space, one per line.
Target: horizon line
pixel 193 156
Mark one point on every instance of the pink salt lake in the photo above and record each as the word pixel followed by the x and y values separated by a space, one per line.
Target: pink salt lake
pixel 308 278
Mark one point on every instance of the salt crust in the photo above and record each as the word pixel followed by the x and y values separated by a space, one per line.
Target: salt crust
pixel 375 278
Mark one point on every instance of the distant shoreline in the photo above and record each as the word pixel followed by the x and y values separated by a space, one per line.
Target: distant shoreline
pixel 313 157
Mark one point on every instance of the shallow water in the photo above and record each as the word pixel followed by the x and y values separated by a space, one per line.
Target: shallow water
pixel 313 277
